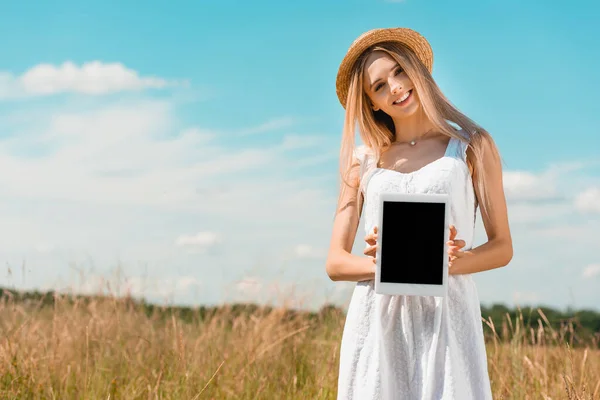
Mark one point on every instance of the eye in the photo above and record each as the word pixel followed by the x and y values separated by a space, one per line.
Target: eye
pixel 379 85
pixel 399 71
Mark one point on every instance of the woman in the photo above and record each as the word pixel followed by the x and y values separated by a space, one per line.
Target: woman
pixel 415 141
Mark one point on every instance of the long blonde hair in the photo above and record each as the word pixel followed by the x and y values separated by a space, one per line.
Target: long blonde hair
pixel 377 128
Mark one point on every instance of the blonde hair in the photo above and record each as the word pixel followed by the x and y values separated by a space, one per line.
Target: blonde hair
pixel 377 128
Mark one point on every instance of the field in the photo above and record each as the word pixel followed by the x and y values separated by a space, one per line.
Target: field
pixel 63 347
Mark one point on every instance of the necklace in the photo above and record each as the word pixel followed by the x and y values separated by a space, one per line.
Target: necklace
pixel 414 141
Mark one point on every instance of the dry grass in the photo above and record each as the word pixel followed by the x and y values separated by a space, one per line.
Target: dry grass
pixel 114 348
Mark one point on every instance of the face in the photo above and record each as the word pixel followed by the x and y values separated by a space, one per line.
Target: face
pixel 388 86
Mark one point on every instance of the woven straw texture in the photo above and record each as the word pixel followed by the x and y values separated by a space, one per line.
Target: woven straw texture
pixel 414 40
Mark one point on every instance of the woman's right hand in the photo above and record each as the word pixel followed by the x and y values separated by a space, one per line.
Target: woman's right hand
pixel 371 239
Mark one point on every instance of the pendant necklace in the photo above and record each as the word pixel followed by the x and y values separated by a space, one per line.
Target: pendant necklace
pixel 414 141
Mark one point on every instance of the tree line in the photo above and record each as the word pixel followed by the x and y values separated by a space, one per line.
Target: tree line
pixel 575 326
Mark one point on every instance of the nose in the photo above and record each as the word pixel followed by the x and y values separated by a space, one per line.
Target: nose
pixel 395 87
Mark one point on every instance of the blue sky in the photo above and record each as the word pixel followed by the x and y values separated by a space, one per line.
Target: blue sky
pixel 193 145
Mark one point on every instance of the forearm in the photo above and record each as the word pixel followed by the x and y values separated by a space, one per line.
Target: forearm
pixel 352 268
pixel 490 255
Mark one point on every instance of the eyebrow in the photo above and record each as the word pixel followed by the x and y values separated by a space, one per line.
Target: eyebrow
pixel 378 79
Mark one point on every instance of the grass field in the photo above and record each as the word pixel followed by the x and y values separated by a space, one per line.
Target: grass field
pixel 115 348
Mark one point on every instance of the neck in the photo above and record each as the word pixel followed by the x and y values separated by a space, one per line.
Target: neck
pixel 413 127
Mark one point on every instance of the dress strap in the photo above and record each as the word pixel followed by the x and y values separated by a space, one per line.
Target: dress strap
pixel 450 147
pixel 367 164
pixel 361 154
pixel 457 148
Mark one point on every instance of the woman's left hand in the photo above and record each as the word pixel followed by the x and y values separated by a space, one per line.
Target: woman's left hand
pixel 454 246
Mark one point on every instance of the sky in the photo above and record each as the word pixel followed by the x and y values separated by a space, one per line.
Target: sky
pixel 187 152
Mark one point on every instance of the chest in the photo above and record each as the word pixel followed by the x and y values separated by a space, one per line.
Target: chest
pixel 407 159
pixel 445 175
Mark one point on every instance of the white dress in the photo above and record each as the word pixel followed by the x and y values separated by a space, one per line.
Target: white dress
pixel 413 347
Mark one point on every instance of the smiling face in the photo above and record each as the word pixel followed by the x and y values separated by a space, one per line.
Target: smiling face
pixel 388 87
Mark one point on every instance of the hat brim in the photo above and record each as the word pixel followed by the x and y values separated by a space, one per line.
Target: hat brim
pixel 414 40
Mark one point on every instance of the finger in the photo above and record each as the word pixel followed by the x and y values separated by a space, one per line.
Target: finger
pixel 459 243
pixel 371 239
pixel 375 229
pixel 452 247
pixel 456 253
pixel 452 232
pixel 373 251
pixel 370 251
pixel 456 242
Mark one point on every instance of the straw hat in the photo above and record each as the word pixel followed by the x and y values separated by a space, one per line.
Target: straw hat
pixel 415 41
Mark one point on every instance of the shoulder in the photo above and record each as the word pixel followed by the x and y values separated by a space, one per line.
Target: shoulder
pixel 360 152
pixel 468 148
pixel 482 152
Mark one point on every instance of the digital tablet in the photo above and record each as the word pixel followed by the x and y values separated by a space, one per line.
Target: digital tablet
pixel 412 256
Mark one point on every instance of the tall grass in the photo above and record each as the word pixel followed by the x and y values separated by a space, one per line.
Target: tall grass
pixel 117 348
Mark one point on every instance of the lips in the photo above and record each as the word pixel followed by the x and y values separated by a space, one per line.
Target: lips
pixel 402 100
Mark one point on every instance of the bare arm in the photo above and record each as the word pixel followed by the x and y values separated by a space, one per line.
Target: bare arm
pixel 341 264
pixel 498 250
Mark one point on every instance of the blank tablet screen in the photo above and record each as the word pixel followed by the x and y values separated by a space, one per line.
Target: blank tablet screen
pixel 412 242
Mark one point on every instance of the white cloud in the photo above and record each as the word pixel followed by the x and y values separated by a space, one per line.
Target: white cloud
pixel 271 290
pixel 249 287
pixel 525 297
pixel 120 181
pixel 125 155
pixel 271 125
pixel 301 141
pixel 186 283
pixel 91 78
pixel 199 241
pixel 44 247
pixel 156 288
pixel 305 251
pixel 585 232
pixel 588 201
pixel 591 271
pixel 523 185
pixel 524 213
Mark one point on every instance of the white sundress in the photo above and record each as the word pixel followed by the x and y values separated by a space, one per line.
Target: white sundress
pixel 417 347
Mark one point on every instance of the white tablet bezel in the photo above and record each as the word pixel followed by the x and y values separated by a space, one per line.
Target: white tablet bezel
pixel 413 289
